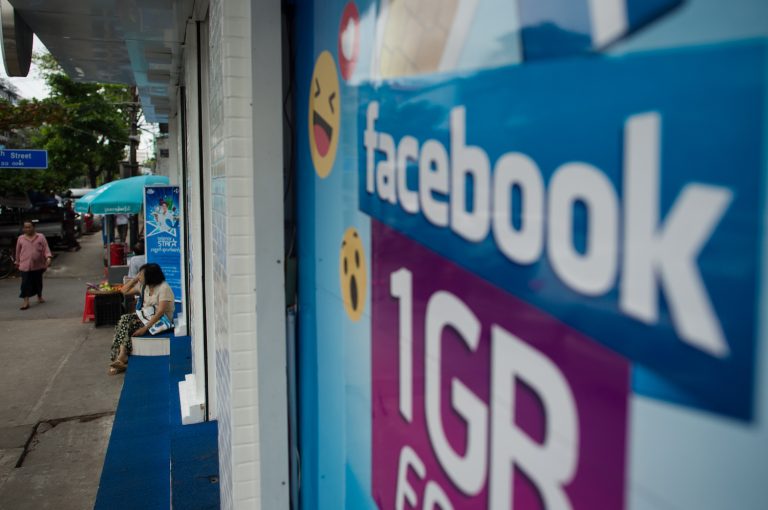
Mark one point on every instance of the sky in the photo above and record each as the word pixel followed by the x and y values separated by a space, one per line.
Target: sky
pixel 33 87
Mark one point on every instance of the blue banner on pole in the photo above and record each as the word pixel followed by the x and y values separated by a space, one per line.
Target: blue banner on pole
pixel 162 229
pixel 18 158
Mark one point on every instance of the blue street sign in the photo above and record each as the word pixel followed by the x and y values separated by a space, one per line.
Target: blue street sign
pixel 23 158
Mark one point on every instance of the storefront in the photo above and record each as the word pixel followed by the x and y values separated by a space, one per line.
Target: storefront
pixel 463 254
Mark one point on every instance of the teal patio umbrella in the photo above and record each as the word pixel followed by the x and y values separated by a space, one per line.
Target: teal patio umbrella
pixel 124 196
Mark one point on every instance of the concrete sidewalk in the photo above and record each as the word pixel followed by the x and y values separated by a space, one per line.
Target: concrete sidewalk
pixel 56 400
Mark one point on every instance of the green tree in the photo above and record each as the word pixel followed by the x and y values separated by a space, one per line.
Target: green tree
pixel 29 114
pixel 84 127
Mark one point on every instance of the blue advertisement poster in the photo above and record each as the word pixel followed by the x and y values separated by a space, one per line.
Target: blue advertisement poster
pixel 531 251
pixel 671 223
pixel 162 229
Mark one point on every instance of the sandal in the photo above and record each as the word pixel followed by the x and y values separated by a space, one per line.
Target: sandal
pixel 24 308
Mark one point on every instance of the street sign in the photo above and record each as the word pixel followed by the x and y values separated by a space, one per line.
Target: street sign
pixel 23 158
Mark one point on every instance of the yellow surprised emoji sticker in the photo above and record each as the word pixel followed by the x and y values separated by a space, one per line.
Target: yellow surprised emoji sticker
pixel 324 114
pixel 353 274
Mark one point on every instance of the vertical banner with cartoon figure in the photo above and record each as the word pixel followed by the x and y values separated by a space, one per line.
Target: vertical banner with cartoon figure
pixel 162 231
pixel 531 241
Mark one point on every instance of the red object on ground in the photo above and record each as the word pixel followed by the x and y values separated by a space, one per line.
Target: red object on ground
pixel 89 312
pixel 117 254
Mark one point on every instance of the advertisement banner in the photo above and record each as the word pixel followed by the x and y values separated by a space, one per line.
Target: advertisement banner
pixel 461 366
pixel 594 213
pixel 531 243
pixel 162 231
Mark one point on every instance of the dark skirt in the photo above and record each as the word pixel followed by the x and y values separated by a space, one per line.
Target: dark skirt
pixel 126 327
pixel 31 283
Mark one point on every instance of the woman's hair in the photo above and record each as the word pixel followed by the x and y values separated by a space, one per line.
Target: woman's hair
pixel 153 275
pixel 138 248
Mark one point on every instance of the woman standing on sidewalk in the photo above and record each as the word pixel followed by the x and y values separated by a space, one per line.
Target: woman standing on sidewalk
pixel 33 257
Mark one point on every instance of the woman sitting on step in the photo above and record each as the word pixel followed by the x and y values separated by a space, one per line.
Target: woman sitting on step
pixel 153 292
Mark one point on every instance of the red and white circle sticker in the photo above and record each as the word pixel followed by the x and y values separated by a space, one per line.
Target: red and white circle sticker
pixel 349 40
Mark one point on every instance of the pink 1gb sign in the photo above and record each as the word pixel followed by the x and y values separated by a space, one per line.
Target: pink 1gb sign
pixel 483 401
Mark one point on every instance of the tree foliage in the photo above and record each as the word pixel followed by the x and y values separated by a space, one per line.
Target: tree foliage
pixel 30 114
pixel 84 127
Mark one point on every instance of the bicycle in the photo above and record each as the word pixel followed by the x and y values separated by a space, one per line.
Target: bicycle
pixel 7 263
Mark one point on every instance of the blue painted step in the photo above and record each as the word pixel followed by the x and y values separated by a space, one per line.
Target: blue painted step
pixel 136 468
pixel 151 458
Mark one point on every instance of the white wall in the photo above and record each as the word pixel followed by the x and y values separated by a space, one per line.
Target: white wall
pixel 195 196
pixel 174 143
pixel 243 230
pixel 207 221
pixel 247 273
pixel 218 193
pixel 163 166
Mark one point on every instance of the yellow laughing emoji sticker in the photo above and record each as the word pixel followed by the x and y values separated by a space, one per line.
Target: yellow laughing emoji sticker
pixel 353 274
pixel 324 114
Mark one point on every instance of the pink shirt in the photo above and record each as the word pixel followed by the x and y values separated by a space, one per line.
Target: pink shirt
pixel 31 254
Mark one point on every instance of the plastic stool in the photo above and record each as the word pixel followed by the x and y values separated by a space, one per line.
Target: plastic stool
pixel 89 314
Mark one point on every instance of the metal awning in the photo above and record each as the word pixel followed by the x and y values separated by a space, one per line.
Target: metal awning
pixel 136 42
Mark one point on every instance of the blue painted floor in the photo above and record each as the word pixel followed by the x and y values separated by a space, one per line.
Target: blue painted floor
pixel 135 473
pixel 151 458
pixel 194 448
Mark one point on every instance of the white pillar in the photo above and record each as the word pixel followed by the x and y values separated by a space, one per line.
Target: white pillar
pixel 247 252
pixel 270 282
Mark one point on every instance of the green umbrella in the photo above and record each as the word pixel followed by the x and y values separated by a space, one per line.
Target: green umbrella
pixel 125 196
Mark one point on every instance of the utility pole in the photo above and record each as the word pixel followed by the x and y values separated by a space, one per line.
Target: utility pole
pixel 133 164
pixel 134 138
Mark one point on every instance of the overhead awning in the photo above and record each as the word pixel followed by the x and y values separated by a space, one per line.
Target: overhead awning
pixel 135 42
